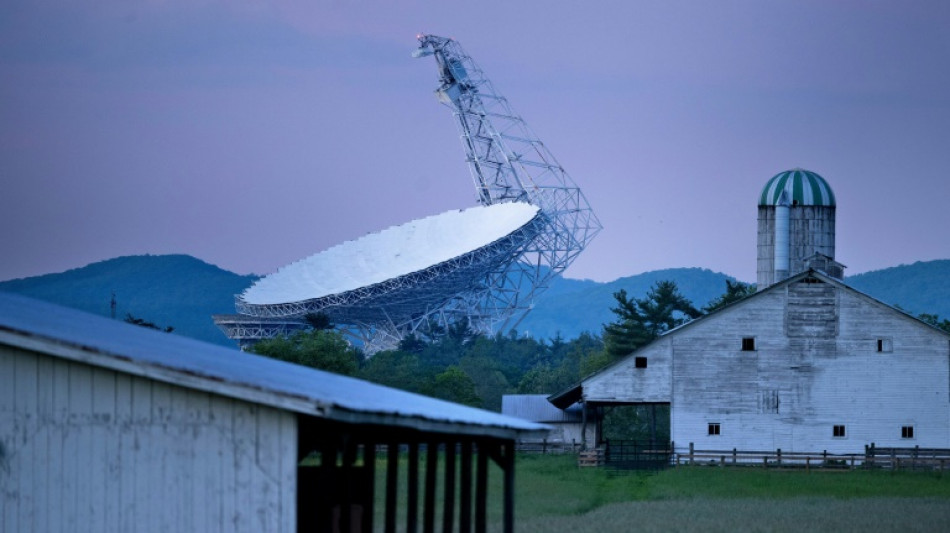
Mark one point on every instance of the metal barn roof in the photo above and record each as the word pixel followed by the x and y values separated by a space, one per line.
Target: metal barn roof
pixel 99 341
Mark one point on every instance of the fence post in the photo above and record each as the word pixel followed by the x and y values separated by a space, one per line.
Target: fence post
pixel 733 456
pixel 808 464
pixel 691 453
pixel 722 461
pixel 779 456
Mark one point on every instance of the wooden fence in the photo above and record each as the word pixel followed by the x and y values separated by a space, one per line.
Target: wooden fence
pixel 885 458
pixel 545 446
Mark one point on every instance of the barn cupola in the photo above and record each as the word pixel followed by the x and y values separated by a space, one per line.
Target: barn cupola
pixel 796 227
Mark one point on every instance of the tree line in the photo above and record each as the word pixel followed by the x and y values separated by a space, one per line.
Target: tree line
pixel 462 366
pixel 465 367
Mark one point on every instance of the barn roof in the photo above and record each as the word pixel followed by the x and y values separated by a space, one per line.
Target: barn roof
pixel 95 340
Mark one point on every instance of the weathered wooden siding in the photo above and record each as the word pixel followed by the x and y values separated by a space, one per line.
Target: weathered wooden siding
pixel 624 382
pixel 88 449
pixel 815 366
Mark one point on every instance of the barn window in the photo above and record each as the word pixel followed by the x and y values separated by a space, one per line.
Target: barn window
pixel 714 428
pixel 884 345
pixel 640 362
pixel 907 432
pixel 839 432
pixel 748 344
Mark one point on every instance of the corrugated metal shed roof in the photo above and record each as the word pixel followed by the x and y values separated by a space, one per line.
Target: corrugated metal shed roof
pixel 113 344
pixel 537 408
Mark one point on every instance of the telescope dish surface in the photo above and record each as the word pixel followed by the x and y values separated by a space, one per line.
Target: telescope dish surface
pixel 392 253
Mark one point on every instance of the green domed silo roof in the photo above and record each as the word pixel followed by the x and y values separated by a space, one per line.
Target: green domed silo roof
pixel 804 187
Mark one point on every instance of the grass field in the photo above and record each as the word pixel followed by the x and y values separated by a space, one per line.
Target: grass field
pixel 554 495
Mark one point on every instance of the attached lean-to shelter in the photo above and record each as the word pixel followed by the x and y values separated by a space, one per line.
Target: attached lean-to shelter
pixel 107 426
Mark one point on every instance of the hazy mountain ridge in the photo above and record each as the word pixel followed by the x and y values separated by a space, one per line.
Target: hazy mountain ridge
pixel 168 290
pixel 183 292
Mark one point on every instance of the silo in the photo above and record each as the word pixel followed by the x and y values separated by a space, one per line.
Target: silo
pixel 796 222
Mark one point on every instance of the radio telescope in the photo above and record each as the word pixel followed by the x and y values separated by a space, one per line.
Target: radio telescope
pixel 484 265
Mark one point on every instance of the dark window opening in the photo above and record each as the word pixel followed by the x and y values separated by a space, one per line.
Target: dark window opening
pixel 640 362
pixel 839 431
pixel 880 345
pixel 714 428
pixel 907 432
pixel 748 344
pixel 884 345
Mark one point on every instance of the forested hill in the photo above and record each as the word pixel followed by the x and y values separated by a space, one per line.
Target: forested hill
pixel 183 292
pixel 571 307
pixel 175 291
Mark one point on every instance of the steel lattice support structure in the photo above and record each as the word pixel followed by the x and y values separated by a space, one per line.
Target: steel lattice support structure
pixel 509 163
pixel 492 287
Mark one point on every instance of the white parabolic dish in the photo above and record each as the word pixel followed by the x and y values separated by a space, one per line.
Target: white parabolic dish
pixel 391 253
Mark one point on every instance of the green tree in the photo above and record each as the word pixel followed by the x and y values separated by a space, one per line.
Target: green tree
pixel 323 349
pixel 145 324
pixel 640 320
pixel 735 291
pixel 453 385
pixel 935 321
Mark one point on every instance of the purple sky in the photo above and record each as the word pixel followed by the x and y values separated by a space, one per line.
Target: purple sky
pixel 251 134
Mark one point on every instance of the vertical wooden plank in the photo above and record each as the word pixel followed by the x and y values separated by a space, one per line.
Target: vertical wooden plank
pixel 8 500
pixel 58 449
pixel 268 464
pixel 289 426
pixel 243 437
pixel 45 439
pixel 183 464
pixel 205 463
pixel 222 409
pixel 96 488
pixel 27 406
pixel 144 466
pixel 79 446
pixel 125 442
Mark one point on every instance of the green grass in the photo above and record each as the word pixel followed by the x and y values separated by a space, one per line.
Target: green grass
pixel 553 494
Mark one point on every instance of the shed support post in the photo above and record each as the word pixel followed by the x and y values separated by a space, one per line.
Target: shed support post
pixel 465 496
pixel 584 427
pixel 508 465
pixel 412 513
pixel 432 464
pixel 392 484
pixel 481 488
pixel 448 494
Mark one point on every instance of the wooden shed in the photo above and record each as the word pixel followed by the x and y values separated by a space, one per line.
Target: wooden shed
pixel 105 426
pixel 806 365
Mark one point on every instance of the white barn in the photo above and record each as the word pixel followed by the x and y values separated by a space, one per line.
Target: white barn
pixel 807 364
pixel 105 426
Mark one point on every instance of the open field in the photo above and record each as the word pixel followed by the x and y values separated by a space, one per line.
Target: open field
pixel 554 495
